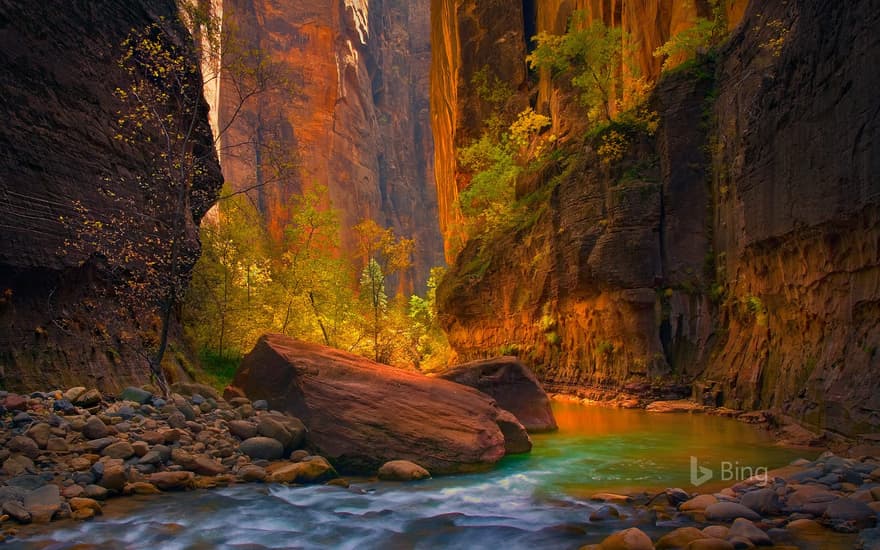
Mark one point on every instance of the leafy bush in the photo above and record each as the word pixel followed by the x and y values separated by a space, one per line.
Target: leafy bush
pixel 591 55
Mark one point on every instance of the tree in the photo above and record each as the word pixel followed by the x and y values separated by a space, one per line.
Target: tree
pixel 591 55
pixel 310 275
pixel 375 300
pixel 226 305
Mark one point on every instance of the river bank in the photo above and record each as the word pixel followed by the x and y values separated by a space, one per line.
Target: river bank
pixel 605 472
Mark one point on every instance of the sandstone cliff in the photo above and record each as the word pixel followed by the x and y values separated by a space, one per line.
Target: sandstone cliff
pixel 357 117
pixel 733 254
pixel 468 37
pixel 61 324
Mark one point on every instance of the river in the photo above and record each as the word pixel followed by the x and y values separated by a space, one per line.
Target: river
pixel 535 501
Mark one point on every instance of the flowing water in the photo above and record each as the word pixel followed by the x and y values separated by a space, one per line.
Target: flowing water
pixel 534 501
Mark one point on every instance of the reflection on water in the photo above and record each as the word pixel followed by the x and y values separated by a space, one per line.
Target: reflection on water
pixel 533 501
pixel 619 449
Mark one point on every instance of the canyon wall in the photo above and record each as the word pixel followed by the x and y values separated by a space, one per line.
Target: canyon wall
pixel 354 119
pixel 494 36
pixel 733 255
pixel 65 318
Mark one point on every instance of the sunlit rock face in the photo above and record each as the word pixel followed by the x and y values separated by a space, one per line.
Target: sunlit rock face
pixel 357 116
pixel 59 324
pixel 740 262
pixel 469 36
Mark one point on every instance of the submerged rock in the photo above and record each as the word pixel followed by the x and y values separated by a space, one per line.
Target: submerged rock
pixel 362 414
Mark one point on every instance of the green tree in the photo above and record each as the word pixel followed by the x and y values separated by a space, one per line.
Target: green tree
pixel 229 291
pixel 375 302
pixel 310 275
pixel 591 56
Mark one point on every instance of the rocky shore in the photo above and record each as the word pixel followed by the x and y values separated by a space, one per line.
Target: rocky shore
pixel 64 453
pixel 808 501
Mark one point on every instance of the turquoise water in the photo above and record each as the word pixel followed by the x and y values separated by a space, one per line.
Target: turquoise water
pixel 533 501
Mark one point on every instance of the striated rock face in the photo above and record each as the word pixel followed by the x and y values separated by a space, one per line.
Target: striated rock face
pixel 468 36
pixel 734 251
pixel 357 117
pixel 362 414
pixel 59 325
pixel 796 216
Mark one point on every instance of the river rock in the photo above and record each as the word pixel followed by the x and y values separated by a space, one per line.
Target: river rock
pixel 40 433
pixel 16 511
pixel 96 492
pixel 512 385
pixel 206 466
pixel 42 503
pixel 252 472
pixel 680 538
pixel 516 438
pixel 57 444
pixel 95 428
pixel 98 445
pixel 265 448
pixel 169 481
pixel 15 402
pixel 88 398
pixel 746 529
pixel 628 539
pixel 141 488
pixel 120 449
pixel 113 476
pixel 289 431
pixel 402 470
pixel 24 445
pixel 362 414
pixel 137 395
pixel 314 470
pixel 729 511
pixel 152 457
pixel 242 429
pixel 698 504
pixel 716 531
pixel 763 501
pixel 82 503
pixel 847 509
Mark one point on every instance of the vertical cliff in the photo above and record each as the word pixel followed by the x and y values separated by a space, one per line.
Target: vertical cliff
pixel 796 214
pixel 733 254
pixel 356 119
pixel 64 317
pixel 470 36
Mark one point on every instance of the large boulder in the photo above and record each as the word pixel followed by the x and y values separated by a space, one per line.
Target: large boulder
pixel 512 385
pixel 361 414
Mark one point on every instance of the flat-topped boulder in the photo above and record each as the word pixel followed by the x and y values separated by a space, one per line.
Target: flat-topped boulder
pixel 361 414
pixel 512 385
